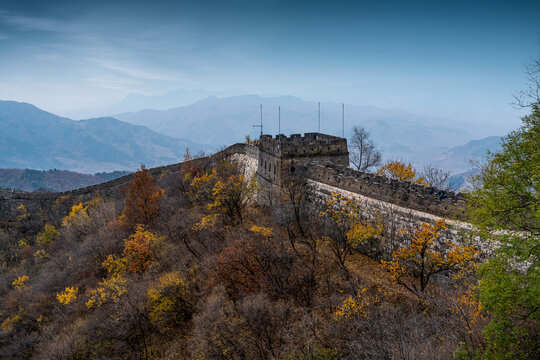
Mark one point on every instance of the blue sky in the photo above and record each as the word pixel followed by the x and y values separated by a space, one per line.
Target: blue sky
pixel 459 60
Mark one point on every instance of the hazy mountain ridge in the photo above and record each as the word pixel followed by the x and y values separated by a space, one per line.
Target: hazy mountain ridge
pixel 458 159
pixel 33 138
pixel 227 120
pixel 137 102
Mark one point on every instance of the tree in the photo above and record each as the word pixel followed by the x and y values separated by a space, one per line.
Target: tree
pixel 421 259
pixel 438 178
pixel 231 197
pixel 142 202
pixel 363 154
pixel 138 249
pixel 401 171
pixel 505 207
pixel 531 96
pixel 346 229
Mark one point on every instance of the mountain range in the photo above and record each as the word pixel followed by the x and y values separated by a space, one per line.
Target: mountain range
pixel 33 138
pixel 222 121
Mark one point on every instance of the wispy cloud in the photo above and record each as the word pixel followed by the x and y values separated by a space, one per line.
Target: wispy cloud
pixel 29 23
pixel 138 72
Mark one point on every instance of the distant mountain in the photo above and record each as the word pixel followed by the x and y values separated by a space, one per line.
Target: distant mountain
pixel 52 180
pixel 458 159
pixel 137 102
pixel 227 120
pixel 33 138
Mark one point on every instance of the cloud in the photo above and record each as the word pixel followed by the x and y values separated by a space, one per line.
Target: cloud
pixel 138 72
pixel 29 23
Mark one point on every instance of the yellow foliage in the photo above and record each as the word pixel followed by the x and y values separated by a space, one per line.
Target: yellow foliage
pixel 20 281
pixel 207 222
pixel 401 171
pixel 23 213
pixel 109 290
pixel 48 235
pixel 77 214
pixel 421 260
pixel 169 298
pixel 356 306
pixel 201 186
pixel 261 230
pixel 67 296
pixel 115 266
pixel 345 212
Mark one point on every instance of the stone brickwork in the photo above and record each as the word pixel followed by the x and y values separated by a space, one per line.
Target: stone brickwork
pixel 403 193
pixel 280 157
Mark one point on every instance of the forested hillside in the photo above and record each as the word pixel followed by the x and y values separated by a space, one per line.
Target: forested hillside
pixel 52 180
pixel 190 266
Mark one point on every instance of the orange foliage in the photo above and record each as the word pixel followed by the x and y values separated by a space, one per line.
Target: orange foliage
pixel 401 171
pixel 142 202
pixel 421 261
pixel 138 249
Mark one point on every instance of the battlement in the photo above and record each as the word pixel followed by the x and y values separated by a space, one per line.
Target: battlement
pixel 296 145
pixel 280 156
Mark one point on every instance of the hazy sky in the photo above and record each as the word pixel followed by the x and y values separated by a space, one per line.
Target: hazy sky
pixel 460 60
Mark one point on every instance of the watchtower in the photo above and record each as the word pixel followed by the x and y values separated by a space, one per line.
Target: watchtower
pixel 280 157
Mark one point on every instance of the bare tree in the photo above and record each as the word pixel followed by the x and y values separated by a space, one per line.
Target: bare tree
pixel 531 96
pixel 438 178
pixel 363 154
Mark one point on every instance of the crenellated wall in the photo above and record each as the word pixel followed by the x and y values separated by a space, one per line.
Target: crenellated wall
pixel 403 193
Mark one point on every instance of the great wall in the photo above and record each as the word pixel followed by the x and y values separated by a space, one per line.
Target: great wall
pixel 320 159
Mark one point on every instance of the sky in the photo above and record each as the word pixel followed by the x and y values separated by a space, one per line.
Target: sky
pixel 457 60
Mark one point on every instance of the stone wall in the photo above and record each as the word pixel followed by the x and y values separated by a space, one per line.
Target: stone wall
pixel 281 156
pixel 403 193
pixel 247 155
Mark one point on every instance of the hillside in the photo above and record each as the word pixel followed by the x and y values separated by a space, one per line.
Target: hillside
pixel 33 138
pixel 458 159
pixel 51 180
pixel 189 266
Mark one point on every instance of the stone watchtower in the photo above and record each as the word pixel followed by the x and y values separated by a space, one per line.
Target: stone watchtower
pixel 281 157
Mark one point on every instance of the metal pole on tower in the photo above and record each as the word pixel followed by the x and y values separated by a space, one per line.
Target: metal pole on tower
pixel 319 112
pixel 279 121
pixel 343 120
pixel 261 125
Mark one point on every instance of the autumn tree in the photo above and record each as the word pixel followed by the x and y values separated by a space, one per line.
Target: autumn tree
pixel 142 202
pixel 414 265
pixel 362 152
pixel 139 249
pixel 227 190
pixel 401 171
pixel 346 228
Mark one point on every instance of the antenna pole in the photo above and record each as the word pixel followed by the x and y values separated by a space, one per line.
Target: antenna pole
pixel 261 125
pixel 319 111
pixel 279 121
pixel 343 120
